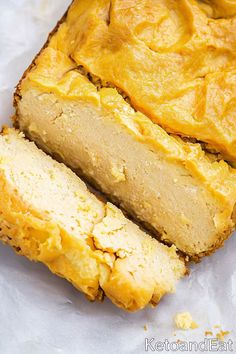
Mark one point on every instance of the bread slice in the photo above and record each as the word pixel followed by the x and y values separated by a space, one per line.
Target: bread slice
pixel 48 214
pixel 186 196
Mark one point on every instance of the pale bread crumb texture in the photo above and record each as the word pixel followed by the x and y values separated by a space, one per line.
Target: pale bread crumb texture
pixel 185 321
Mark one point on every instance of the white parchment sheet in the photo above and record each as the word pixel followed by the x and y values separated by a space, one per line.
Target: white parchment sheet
pixel 40 313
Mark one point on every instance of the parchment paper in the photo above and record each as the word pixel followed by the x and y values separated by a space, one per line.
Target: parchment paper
pixel 40 313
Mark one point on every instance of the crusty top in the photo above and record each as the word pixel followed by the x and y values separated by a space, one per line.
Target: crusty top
pixel 110 53
pixel 176 60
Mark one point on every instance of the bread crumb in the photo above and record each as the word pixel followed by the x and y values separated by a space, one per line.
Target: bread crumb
pixel 221 335
pixel 184 321
pixel 208 333
pixel 145 327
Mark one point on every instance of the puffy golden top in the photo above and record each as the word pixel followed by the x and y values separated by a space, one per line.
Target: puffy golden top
pixel 175 60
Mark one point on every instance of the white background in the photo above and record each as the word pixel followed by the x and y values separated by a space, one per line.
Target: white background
pixel 40 313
